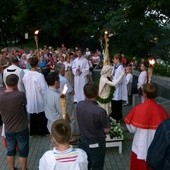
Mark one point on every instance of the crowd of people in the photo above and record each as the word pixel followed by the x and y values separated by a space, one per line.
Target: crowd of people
pixel 34 83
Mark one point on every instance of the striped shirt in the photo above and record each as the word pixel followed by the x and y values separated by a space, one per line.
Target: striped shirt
pixel 68 156
pixel 70 159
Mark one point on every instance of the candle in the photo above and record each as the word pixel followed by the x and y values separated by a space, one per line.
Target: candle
pixel 65 89
pixel 63 101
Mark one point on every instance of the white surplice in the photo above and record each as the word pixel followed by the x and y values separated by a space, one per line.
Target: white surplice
pixel 120 92
pixel 35 86
pixel 142 140
pixel 80 80
pixel 70 159
pixel 13 69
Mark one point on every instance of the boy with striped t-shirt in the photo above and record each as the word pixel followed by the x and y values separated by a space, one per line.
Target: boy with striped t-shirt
pixel 63 156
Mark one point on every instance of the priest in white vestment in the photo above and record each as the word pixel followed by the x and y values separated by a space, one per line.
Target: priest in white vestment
pixel 80 69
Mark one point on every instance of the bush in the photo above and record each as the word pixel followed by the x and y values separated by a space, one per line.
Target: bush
pixel 162 70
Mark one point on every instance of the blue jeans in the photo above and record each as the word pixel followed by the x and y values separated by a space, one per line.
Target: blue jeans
pixel 95 149
pixel 20 138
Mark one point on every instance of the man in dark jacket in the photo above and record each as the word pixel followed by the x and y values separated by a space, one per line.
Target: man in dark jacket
pixel 93 124
pixel 159 151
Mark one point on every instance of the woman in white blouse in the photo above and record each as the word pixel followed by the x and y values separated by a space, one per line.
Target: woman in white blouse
pixel 143 78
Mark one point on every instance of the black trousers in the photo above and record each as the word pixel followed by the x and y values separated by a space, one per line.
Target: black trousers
pixel 96 155
pixel 117 110
pixel 38 124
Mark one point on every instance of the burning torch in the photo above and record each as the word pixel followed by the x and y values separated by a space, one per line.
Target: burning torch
pixel 150 69
pixel 107 35
pixel 63 102
pixel 36 38
pixel 106 57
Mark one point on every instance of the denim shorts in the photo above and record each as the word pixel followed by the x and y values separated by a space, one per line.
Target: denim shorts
pixel 20 138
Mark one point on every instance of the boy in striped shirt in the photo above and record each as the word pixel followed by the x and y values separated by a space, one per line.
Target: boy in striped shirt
pixel 63 156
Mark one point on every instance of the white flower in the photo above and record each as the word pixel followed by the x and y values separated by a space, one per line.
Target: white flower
pixel 116 129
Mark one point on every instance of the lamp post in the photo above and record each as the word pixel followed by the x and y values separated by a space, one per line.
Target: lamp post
pixel 36 38
pixel 150 69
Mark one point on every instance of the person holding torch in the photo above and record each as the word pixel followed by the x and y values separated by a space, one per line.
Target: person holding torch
pixel 52 99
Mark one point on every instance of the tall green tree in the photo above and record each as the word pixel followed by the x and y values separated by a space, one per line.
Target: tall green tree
pixel 138 26
pixel 7 25
pixel 72 22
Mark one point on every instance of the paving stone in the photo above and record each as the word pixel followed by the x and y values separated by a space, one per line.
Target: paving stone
pixel 39 145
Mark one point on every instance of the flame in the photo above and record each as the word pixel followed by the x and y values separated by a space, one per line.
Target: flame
pixel 111 34
pixel 106 32
pixel 36 32
pixel 152 62
pixel 65 89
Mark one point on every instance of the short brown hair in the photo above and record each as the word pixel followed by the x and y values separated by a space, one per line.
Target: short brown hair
pixel 33 61
pixel 150 90
pixel 91 90
pixel 12 80
pixel 144 63
pixel 52 77
pixel 61 131
pixel 14 60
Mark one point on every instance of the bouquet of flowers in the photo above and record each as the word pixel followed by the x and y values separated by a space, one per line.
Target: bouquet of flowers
pixel 116 129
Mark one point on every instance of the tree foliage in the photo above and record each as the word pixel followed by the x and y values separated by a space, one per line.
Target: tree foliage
pixel 138 30
pixel 138 26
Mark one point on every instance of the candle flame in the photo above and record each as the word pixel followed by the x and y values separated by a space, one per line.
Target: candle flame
pixel 65 89
pixel 106 32
pixel 36 32
pixel 152 62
